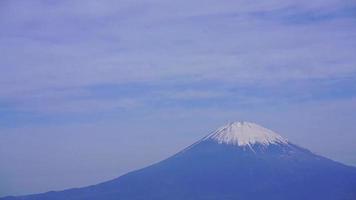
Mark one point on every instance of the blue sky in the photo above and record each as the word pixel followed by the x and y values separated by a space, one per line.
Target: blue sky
pixel 90 90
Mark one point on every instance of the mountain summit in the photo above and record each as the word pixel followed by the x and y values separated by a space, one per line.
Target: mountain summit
pixel 240 160
pixel 245 133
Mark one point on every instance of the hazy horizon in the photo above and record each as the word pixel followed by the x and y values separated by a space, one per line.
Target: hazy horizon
pixel 91 90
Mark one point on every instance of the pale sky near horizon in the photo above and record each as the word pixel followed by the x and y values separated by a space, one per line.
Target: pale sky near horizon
pixel 90 90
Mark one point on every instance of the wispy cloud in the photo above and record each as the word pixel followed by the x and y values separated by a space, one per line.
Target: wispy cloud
pixel 71 46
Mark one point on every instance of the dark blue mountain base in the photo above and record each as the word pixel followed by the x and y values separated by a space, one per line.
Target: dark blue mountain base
pixel 212 171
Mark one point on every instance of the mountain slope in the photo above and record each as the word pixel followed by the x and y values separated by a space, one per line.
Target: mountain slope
pixel 238 161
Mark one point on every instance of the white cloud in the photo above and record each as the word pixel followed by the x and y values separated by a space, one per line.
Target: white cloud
pixel 74 45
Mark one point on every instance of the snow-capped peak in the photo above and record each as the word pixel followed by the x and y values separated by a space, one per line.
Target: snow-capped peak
pixel 245 133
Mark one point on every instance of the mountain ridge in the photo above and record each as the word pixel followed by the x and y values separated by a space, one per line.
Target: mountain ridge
pixel 210 169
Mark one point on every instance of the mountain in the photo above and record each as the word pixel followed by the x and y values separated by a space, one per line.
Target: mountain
pixel 240 160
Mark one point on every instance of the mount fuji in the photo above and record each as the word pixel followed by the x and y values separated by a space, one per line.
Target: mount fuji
pixel 240 160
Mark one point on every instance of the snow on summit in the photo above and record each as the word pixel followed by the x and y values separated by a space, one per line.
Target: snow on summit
pixel 245 133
